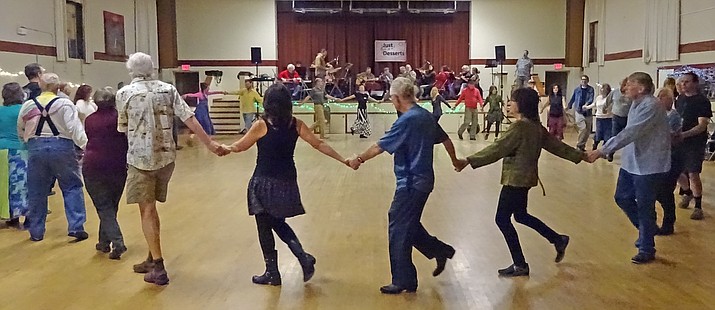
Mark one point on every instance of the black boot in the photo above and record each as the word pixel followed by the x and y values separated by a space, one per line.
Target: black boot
pixel 271 276
pixel 307 261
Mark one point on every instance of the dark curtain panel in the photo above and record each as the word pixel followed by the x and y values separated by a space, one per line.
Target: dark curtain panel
pixel 441 39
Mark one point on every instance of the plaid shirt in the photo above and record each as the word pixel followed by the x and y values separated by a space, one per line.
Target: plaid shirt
pixel 146 113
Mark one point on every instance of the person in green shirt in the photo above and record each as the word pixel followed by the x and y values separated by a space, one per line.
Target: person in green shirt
pixel 495 114
pixel 520 147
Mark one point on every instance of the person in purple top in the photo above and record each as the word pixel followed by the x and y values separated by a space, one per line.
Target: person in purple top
pixel 105 170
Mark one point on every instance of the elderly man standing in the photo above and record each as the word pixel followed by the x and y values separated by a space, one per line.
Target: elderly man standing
pixel 146 113
pixel 292 80
pixel 51 127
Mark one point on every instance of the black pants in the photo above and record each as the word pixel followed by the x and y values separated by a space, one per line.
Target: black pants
pixel 496 128
pixel 106 193
pixel 513 201
pixel 667 185
pixel 266 224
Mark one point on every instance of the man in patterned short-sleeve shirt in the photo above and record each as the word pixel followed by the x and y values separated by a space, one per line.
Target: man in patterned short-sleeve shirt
pixel 146 113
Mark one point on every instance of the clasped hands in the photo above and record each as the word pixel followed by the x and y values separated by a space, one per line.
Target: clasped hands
pixel 591 156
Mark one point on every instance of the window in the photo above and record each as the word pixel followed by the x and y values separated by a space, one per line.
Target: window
pixel 592 47
pixel 75 30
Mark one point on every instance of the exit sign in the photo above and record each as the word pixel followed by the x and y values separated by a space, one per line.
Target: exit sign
pixel 185 67
pixel 558 66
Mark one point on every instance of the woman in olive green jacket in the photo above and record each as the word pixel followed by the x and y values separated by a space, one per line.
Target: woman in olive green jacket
pixel 520 147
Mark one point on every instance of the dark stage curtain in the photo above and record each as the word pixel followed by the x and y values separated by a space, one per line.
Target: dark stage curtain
pixel 441 39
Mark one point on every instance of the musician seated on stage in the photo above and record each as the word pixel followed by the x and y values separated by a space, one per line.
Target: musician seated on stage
pixel 292 80
pixel 386 78
pixel 366 76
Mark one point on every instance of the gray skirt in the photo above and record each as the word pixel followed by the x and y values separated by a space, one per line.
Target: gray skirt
pixel 278 197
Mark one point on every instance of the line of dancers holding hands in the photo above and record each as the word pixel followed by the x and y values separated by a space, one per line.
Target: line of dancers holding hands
pixel 273 193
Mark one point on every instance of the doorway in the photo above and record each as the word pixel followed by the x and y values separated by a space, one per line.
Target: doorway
pixel 560 78
pixel 187 82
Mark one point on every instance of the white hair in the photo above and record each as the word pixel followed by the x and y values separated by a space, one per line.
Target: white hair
pixel 404 87
pixel 290 67
pixel 140 65
pixel 49 81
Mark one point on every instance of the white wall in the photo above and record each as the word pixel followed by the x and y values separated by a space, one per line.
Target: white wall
pixel 226 29
pixel 537 26
pixel 625 31
pixel 39 14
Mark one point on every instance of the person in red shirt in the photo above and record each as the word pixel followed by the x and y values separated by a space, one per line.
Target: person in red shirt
pixel 442 79
pixel 472 99
pixel 292 80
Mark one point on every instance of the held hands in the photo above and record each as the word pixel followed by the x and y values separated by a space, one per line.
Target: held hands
pixel 592 156
pixel 219 149
pixel 460 164
pixel 353 162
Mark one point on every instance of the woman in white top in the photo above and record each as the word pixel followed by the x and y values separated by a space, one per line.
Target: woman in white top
pixel 603 116
pixel 85 106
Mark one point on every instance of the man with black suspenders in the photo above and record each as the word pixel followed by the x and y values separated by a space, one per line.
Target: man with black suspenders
pixel 51 127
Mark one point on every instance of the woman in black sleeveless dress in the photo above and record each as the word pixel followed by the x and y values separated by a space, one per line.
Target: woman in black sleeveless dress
pixel 273 193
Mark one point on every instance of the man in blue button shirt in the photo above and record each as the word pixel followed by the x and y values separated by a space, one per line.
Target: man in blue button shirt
pixel 583 95
pixel 411 141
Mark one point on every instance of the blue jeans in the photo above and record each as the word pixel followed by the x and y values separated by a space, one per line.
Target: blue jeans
pixel 248 120
pixel 406 231
pixel 50 158
pixel 635 195
pixel 619 122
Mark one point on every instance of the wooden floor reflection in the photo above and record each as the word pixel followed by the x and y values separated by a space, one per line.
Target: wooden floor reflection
pixel 211 247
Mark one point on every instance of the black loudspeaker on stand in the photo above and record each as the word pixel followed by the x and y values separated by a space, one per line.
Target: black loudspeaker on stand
pixel 256 56
pixel 500 55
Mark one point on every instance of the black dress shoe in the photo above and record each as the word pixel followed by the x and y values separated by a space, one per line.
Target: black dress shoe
pixel 79 236
pixel 102 247
pixel 394 289
pixel 642 258
pixel 561 248
pixel 665 231
pixel 514 271
pixel 442 262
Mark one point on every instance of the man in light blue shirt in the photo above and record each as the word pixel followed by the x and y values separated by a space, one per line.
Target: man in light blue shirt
pixel 646 158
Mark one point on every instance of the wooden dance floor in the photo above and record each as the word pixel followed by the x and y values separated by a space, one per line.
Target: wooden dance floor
pixel 211 245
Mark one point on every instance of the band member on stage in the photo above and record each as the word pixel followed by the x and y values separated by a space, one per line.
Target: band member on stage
pixel 366 76
pixel 320 65
pixel 386 78
pixel 292 80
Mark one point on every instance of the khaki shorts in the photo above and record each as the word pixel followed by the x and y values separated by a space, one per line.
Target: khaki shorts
pixel 148 185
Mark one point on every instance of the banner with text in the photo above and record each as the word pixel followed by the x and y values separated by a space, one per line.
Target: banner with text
pixel 390 51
